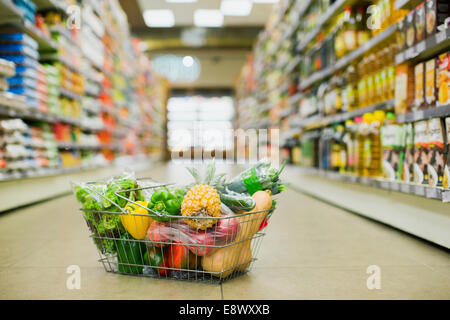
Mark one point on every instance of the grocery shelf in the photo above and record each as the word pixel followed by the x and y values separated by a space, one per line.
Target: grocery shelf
pixel 399 186
pixel 292 64
pixel 426 48
pixel 64 32
pixel 318 121
pixel 51 5
pixel 57 181
pixel 430 113
pixel 423 217
pixel 349 58
pixel 11 15
pixel 331 12
pixel 79 146
pixel 69 94
pixel 45 172
pixel 295 98
pixel 402 4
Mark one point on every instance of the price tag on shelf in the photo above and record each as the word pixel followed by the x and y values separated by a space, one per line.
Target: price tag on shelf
pixel 440 36
pixel 418 115
pixel 399 58
pixel 419 190
pixel 446 195
pixel 405 187
pixel 409 53
pixel 395 186
pixel 384 184
pixel 432 192
pixel 420 47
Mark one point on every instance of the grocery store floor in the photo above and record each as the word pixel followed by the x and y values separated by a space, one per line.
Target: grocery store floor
pixel 312 251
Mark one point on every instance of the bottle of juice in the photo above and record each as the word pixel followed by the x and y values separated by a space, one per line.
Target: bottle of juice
pixel 351 146
pixel 367 143
pixel 362 35
pixel 375 167
pixel 339 43
pixel 340 131
pixel 361 86
pixel 350 30
pixel 379 63
pixel 361 131
pixel 370 85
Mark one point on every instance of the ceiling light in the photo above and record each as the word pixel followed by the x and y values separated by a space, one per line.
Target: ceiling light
pixel 181 1
pixel 265 1
pixel 159 18
pixel 188 61
pixel 208 18
pixel 236 7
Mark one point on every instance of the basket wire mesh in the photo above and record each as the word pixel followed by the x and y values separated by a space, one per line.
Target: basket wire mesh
pixel 174 249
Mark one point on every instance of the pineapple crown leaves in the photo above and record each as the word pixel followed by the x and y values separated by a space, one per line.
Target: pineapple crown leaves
pixel 210 177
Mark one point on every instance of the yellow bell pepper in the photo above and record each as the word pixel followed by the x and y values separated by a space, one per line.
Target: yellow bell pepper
pixel 136 226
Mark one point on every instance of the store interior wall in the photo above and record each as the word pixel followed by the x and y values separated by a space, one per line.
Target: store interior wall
pixel 219 67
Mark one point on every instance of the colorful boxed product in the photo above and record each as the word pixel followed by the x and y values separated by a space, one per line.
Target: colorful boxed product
pixel 445 182
pixel 443 79
pixel 436 12
pixel 435 167
pixel 430 82
pixel 419 90
pixel 421 152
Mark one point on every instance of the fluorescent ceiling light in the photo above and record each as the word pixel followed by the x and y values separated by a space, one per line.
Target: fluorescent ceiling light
pixel 265 1
pixel 236 7
pixel 208 18
pixel 188 61
pixel 181 1
pixel 159 18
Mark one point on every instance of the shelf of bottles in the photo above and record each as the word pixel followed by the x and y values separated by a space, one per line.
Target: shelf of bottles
pixel 365 90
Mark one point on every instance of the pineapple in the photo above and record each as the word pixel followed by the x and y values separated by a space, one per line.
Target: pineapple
pixel 202 200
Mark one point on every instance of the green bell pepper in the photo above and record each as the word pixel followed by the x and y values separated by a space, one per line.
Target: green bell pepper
pixel 155 258
pixel 166 204
pixel 130 251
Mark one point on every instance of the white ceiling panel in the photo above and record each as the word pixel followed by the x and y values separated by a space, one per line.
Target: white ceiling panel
pixel 184 12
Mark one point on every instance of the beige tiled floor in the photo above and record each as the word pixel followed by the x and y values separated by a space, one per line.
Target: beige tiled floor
pixel 311 251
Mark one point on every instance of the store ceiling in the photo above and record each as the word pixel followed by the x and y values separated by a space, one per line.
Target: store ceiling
pixel 236 32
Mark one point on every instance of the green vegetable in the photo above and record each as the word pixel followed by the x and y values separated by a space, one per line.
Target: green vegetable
pixel 102 197
pixel 260 177
pixel 166 203
pixel 130 254
pixel 237 202
pixel 155 258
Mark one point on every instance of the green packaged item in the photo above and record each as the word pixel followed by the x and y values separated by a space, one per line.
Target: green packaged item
pixel 130 254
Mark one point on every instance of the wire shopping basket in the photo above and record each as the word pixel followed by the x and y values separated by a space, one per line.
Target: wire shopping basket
pixel 134 239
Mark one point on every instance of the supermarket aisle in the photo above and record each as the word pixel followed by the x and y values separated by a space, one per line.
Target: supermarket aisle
pixel 312 251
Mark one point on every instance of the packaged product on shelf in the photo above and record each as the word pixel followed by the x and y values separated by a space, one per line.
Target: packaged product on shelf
pixel 430 82
pixel 436 12
pixel 421 152
pixel 28 9
pixel 350 141
pixel 391 141
pixel 407 174
pixel 435 167
pixel 404 88
pixel 366 131
pixel 443 79
pixel 410 29
pixel 445 181
pixel 401 34
pixel 420 22
pixel 419 90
